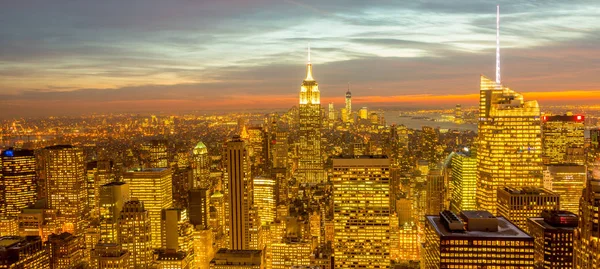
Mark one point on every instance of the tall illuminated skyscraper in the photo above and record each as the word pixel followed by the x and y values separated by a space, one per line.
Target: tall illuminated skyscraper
pixel 98 173
pixel 112 198
pixel 310 164
pixel 518 205
pixel 510 142
pixel 159 155
pixel 64 169
pixel 135 233
pixel 348 106
pixel 568 182
pixel 17 182
pixel 240 192
pixel 563 139
pixel 586 248
pixel 264 199
pixel 153 187
pixel 65 251
pixel 361 212
pixel 435 192
pixel 201 166
pixel 198 201
pixel 464 182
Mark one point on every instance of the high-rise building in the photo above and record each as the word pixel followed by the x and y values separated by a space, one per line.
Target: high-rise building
pixel 159 155
pixel 587 234
pixel 509 139
pixel 475 240
pixel 518 205
pixel 361 212
pixel 290 252
pixel 553 235
pixel 310 164
pixel 176 231
pixel 201 166
pixel 110 256
pixel 363 113
pixel 563 139
pixel 435 192
pixel 279 148
pixel 237 259
pixel 568 182
pixel 240 194
pixel 17 181
pixel 331 113
pixel 169 259
pixel 463 182
pixel 98 173
pixel 153 187
pixel 66 251
pixel 23 252
pixel 509 150
pixel 264 198
pixel 204 250
pixel 113 196
pixel 135 233
pixel 198 201
pixel 64 170
pixel 258 149
pixel 458 114
pixel 348 107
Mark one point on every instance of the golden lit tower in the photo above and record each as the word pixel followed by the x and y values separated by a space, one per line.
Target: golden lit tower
pixel 464 182
pixel 240 194
pixel 135 234
pixel 153 187
pixel 98 173
pixel 348 104
pixel 563 139
pixel 17 181
pixel 201 166
pixel 64 169
pixel 510 142
pixel 553 233
pixel 112 198
pixel 66 251
pixel 310 164
pixel 361 213
pixel 518 205
pixel 159 155
pixel 586 246
pixel 264 198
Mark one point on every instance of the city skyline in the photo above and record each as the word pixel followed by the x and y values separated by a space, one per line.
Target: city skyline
pixel 196 56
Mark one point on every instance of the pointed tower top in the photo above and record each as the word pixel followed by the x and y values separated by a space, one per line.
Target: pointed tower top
pixel 348 88
pixel 498 80
pixel 309 76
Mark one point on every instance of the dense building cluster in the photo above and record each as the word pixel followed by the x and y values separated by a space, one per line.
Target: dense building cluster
pixel 307 188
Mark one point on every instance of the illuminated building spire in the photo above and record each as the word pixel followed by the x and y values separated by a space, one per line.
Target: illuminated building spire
pixel 309 76
pixel 498 81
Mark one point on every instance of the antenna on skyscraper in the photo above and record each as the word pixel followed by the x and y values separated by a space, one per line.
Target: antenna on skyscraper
pixel 498 81
pixel 309 53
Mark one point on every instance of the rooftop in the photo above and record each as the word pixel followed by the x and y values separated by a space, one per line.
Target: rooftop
pixel 506 230
pixel 527 191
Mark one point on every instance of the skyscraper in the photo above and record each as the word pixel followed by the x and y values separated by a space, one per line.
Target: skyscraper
pixel 264 199
pixel 348 106
pixel 65 251
pixel 112 198
pixel 435 192
pixel 563 139
pixel 240 192
pixel 159 155
pixel 361 213
pixel 510 143
pixel 518 205
pixel 64 169
pixel 464 182
pixel 198 201
pixel 201 166
pixel 553 235
pixel 475 240
pixel 135 233
pixel 17 181
pixel 152 186
pixel 310 164
pixel 98 173
pixel 587 235
pixel 568 182
pixel 23 252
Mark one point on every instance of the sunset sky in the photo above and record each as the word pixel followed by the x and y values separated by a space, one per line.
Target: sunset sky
pixel 65 56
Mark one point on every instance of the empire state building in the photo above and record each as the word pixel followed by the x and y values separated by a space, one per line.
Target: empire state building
pixel 310 164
